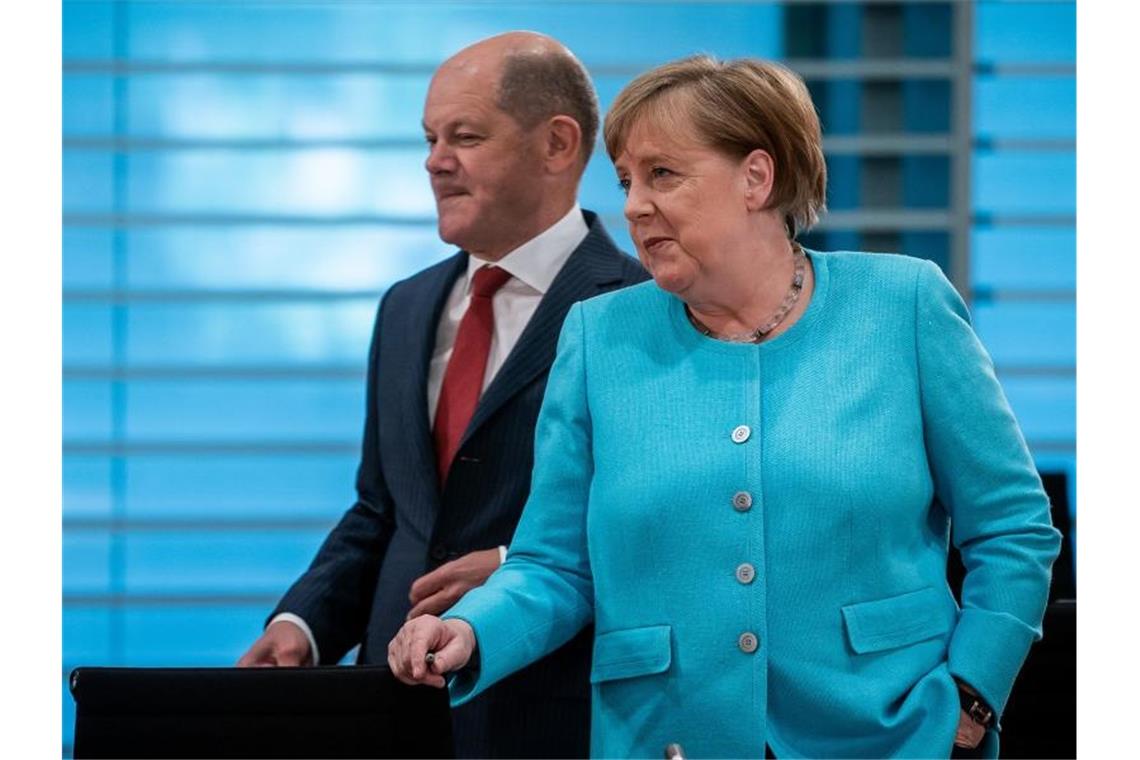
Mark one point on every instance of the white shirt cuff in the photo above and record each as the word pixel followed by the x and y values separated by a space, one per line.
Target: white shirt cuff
pixel 502 554
pixel 289 617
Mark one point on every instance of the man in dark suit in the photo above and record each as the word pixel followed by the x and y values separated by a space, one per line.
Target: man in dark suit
pixel 457 370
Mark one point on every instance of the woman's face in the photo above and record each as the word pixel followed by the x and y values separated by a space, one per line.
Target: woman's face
pixel 686 203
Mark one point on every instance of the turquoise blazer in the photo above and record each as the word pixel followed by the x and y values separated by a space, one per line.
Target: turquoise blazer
pixel 759 532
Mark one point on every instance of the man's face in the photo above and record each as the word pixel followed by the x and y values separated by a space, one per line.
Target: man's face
pixel 485 169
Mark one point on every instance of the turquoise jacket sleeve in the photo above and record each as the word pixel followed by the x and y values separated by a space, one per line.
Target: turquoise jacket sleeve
pixel 543 594
pixel 985 477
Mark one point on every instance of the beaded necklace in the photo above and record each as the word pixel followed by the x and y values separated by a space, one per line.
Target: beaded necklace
pixel 757 335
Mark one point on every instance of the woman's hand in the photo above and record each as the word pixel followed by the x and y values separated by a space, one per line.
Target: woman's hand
pixel 969 734
pixel 451 643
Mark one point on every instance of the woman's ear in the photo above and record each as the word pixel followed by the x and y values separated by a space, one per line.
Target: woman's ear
pixel 759 174
pixel 562 144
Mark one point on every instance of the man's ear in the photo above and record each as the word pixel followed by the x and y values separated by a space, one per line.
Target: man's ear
pixel 562 144
pixel 759 176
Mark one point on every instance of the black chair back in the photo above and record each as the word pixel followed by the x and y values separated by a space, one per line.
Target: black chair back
pixel 332 712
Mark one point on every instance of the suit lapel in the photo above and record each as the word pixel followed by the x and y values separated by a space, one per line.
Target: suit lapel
pixel 594 264
pixel 422 343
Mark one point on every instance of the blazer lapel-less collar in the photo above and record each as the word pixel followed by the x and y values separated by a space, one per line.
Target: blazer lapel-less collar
pixel 437 289
pixel 594 264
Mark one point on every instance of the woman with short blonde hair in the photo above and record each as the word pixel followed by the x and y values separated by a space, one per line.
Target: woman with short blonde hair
pixel 748 471
pixel 736 107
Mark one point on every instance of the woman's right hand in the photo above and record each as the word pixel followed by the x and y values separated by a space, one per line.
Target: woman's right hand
pixel 451 641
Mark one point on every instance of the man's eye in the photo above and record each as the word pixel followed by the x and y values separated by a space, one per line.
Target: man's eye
pixel 429 139
pixel 467 137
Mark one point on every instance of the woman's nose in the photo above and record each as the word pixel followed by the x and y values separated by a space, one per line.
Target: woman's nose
pixel 637 204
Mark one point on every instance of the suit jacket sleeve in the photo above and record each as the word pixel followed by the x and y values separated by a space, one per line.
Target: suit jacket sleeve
pixel 984 475
pixel 334 596
pixel 543 594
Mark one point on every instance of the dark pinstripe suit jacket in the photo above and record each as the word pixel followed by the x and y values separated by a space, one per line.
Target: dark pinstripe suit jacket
pixel 402 525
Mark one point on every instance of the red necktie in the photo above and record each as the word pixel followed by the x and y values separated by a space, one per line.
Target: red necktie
pixel 463 379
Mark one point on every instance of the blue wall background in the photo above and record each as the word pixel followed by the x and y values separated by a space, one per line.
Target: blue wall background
pixel 242 180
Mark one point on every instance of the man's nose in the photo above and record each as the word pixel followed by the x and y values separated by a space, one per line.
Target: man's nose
pixel 440 158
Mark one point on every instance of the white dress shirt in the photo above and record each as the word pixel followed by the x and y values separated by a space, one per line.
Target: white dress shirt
pixel 533 267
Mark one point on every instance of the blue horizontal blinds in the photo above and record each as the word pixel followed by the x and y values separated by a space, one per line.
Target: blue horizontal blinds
pixel 1023 257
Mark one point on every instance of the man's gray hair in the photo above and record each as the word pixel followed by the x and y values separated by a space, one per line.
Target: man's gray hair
pixel 535 87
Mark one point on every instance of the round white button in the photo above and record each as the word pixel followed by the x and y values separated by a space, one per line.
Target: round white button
pixel 741 433
pixel 745 573
pixel 748 643
pixel 742 501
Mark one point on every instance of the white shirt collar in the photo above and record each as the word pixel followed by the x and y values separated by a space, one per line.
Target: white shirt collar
pixel 538 261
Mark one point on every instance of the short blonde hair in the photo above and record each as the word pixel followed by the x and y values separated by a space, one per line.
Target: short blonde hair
pixel 735 107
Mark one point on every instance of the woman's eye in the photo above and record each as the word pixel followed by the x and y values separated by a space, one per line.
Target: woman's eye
pixel 659 172
pixel 624 185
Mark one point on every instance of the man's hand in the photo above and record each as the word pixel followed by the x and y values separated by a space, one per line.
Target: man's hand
pixel 282 645
pixel 435 592
pixel 451 643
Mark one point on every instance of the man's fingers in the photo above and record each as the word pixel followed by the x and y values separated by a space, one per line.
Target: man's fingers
pixel 435 604
pixel 258 654
pixel 415 612
pixel 288 658
pixel 426 585
pixel 429 606
pixel 468 571
pixel 282 644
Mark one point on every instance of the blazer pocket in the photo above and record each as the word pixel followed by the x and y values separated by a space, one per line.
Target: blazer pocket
pixel 632 652
pixel 896 621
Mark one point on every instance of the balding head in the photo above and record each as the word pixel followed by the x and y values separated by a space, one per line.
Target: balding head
pixel 501 45
pixel 510 123
pixel 535 78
